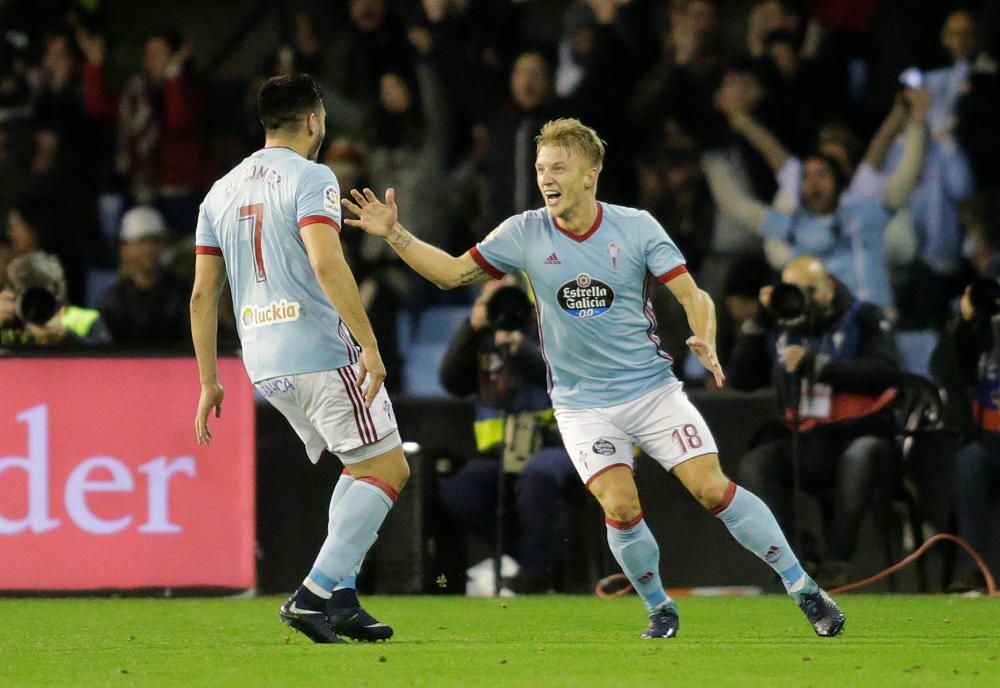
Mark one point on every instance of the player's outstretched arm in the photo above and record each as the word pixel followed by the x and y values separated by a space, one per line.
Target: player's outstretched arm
pixel 701 317
pixel 209 278
pixel 382 219
pixel 326 256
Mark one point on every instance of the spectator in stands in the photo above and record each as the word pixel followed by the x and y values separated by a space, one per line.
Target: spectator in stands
pixel 368 43
pixel 27 231
pixel 848 237
pixel 833 364
pixel 495 358
pixel 146 306
pixel 967 364
pixel 34 309
pixel 968 361
pixel 676 93
pixel 64 154
pixel 160 111
pixel 512 132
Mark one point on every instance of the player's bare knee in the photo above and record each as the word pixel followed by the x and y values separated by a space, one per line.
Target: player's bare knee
pixel 621 507
pixel 711 493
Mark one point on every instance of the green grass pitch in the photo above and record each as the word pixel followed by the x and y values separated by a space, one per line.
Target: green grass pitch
pixel 529 641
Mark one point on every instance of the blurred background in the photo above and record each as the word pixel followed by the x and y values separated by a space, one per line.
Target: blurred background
pixel 115 118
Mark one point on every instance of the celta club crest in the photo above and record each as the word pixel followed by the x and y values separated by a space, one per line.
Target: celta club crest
pixel 613 252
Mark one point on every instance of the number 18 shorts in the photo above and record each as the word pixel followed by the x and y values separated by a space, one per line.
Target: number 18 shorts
pixel 662 423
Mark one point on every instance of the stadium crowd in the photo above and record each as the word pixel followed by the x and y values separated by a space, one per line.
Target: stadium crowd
pixel 863 132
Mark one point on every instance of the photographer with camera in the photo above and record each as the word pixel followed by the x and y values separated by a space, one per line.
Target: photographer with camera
pixel 833 365
pixel 34 308
pixel 967 363
pixel 495 358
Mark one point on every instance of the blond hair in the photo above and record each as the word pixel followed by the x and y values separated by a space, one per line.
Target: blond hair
pixel 572 134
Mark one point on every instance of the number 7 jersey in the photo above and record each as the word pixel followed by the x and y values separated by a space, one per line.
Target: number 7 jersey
pixel 251 218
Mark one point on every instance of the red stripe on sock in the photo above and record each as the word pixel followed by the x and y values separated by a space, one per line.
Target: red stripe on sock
pixel 727 499
pixel 624 525
pixel 382 485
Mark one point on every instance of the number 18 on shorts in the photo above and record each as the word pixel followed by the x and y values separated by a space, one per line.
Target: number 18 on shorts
pixel 663 423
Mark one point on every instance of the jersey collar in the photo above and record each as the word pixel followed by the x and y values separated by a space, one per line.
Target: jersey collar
pixel 589 233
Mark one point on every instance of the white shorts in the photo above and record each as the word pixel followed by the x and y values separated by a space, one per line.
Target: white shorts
pixel 327 411
pixel 662 423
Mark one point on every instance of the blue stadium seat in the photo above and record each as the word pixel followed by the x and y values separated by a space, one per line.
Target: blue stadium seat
pixel 438 324
pixel 98 282
pixel 420 374
pixel 915 349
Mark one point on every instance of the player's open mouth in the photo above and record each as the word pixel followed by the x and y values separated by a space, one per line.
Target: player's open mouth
pixel 552 197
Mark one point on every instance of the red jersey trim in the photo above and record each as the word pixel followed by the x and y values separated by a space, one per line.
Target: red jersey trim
pixel 670 274
pixel 484 264
pixel 586 235
pixel 208 251
pixel 318 219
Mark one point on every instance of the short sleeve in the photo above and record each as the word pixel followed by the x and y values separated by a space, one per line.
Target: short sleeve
pixel 777 225
pixel 502 250
pixel 317 198
pixel 663 259
pixel 206 242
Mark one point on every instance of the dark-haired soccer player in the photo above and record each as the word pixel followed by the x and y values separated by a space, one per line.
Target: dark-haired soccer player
pixel 611 385
pixel 272 224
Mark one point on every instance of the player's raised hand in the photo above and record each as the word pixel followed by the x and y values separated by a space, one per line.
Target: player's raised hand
pixel 706 354
pixel 374 216
pixel 371 367
pixel 211 398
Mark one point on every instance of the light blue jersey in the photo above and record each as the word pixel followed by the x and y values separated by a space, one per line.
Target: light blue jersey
pixel 596 323
pixel 849 242
pixel 252 217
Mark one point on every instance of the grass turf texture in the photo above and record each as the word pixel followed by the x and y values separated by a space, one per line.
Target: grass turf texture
pixel 537 641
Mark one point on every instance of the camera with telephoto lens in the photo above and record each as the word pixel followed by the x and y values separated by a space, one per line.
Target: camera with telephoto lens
pixel 36 305
pixel 508 309
pixel 791 306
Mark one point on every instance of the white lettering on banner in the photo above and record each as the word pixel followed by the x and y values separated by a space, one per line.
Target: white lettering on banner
pixel 36 465
pixel 81 482
pixel 159 472
pixel 79 485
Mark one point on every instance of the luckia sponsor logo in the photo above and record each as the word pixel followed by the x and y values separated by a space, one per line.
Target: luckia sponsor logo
pixel 271 314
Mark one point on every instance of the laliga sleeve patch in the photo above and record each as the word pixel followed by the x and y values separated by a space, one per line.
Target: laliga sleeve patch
pixel 331 199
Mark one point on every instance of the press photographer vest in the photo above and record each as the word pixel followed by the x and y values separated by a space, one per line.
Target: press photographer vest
pixel 840 343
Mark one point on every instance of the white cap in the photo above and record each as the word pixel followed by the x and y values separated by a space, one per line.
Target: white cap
pixel 143 222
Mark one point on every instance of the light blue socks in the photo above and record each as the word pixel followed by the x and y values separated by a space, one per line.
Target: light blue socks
pixel 636 551
pixel 356 516
pixel 753 525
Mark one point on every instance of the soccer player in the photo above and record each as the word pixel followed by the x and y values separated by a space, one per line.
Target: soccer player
pixel 611 385
pixel 272 225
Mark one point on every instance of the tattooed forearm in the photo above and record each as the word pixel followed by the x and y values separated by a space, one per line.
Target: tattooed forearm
pixel 471 276
pixel 399 238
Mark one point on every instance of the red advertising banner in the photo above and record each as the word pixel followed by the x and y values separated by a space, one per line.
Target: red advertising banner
pixel 102 484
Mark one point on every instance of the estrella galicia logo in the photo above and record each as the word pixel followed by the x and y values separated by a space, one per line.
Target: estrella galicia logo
pixel 604 447
pixel 585 297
